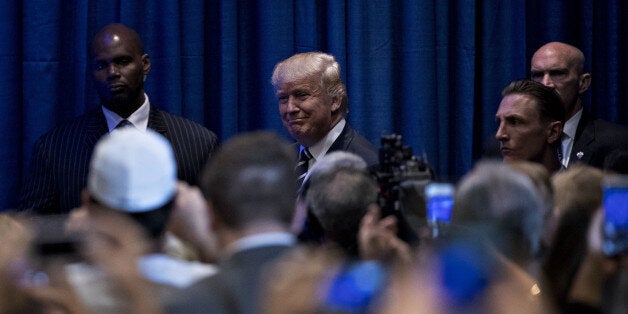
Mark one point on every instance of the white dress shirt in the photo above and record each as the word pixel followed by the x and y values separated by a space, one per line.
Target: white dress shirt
pixel 319 149
pixel 139 118
pixel 569 134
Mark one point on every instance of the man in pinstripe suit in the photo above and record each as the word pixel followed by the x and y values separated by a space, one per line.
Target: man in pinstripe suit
pixel 61 156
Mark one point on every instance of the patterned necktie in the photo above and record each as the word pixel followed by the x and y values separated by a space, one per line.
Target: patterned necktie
pixel 124 124
pixel 564 149
pixel 302 165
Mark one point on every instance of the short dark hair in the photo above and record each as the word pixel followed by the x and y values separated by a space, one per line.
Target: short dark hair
pixel 152 221
pixel 549 103
pixel 155 221
pixel 251 178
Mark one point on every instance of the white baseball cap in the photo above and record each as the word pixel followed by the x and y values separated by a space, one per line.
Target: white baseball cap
pixel 133 171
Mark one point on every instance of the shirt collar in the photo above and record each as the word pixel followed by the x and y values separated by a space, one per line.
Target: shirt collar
pixel 164 269
pixel 260 240
pixel 319 149
pixel 139 118
pixel 572 124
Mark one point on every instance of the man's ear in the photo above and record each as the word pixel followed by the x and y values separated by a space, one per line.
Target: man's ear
pixel 554 131
pixel 336 103
pixel 145 64
pixel 584 82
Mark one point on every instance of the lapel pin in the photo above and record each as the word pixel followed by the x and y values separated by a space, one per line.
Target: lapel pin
pixel 579 155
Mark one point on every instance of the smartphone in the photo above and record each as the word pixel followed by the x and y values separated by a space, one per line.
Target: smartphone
pixel 615 203
pixel 439 199
pixel 51 239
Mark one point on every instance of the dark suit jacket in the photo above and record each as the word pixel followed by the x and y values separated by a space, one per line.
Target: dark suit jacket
pixel 234 289
pixel 61 157
pixel 596 139
pixel 350 141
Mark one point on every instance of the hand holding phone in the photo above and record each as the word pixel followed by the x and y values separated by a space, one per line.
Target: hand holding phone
pixel 51 239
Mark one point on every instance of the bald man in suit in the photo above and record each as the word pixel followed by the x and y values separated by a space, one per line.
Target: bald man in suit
pixel 585 139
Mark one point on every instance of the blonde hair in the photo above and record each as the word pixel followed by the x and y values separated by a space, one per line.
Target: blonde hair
pixel 578 187
pixel 293 283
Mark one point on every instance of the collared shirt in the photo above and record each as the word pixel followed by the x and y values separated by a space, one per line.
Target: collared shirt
pixel 139 118
pixel 567 140
pixel 99 293
pixel 166 270
pixel 319 149
pixel 261 240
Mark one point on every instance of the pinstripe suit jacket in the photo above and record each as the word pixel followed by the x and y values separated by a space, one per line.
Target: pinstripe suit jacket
pixel 61 157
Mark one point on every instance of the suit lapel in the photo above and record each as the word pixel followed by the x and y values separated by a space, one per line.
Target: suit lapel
pixel 343 141
pixel 156 121
pixel 96 127
pixel 585 134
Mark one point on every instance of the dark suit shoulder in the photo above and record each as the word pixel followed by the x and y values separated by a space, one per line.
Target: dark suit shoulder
pixel 172 119
pixel 208 295
pixel 59 164
pixel 192 143
pixel 591 126
pixel 602 133
pixel 177 126
pixel 235 288
pixel 351 141
pixel 596 139
pixel 606 127
pixel 75 126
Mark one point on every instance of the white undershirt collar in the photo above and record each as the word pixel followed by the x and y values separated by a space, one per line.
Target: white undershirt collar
pixel 572 124
pixel 570 128
pixel 139 118
pixel 321 147
pixel 261 240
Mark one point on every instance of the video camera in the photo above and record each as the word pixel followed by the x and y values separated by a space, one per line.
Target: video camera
pixel 402 178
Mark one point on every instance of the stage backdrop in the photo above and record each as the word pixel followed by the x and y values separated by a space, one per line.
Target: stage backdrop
pixel 431 71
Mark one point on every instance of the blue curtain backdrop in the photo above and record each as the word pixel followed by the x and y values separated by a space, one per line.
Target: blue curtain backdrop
pixel 429 70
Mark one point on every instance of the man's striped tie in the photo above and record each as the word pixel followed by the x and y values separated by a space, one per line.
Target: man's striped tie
pixel 302 165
